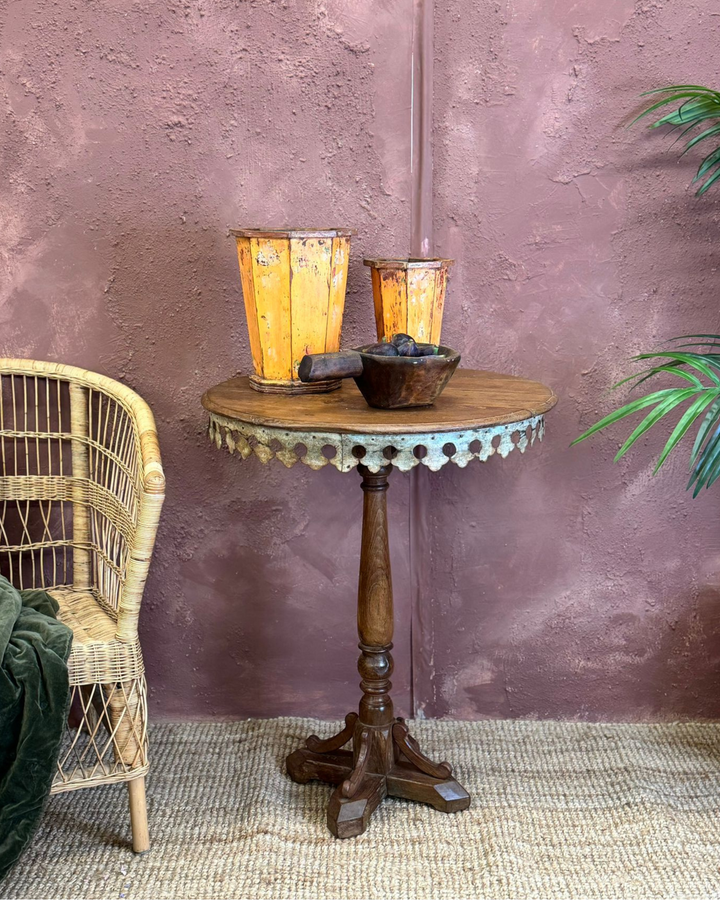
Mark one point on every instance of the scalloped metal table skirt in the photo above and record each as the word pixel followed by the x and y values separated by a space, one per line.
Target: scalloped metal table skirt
pixel 345 451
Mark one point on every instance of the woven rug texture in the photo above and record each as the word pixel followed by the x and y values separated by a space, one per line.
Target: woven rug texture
pixel 559 811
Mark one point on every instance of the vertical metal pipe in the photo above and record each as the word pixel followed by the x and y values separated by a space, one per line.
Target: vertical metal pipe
pixel 421 143
pixel 421 245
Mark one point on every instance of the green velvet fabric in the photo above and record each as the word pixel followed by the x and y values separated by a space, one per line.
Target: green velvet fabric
pixel 34 701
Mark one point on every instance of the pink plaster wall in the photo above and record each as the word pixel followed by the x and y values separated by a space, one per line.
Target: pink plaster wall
pixel 563 585
pixel 134 134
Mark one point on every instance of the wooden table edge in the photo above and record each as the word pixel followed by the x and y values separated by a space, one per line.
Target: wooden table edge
pixel 385 425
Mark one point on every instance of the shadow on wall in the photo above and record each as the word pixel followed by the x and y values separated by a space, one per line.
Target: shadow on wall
pixel 649 667
pixel 685 670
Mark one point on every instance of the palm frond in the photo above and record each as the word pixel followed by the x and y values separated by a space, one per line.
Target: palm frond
pixel 697 402
pixel 697 104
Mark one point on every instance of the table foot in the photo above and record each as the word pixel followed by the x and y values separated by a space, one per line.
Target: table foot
pixel 407 783
pixel 415 777
pixel 408 775
pixel 306 765
pixel 350 816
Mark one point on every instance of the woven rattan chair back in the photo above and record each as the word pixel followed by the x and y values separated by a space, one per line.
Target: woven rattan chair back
pixel 81 489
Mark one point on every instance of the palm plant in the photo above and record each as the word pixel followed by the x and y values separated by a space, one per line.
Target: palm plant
pixel 699 104
pixel 696 362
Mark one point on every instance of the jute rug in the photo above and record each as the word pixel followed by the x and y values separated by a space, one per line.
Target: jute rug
pixel 559 810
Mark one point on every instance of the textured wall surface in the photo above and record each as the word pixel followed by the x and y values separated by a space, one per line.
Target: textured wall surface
pixel 134 134
pixel 564 585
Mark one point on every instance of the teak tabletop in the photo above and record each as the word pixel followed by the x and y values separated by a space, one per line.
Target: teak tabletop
pixel 478 414
pixel 472 399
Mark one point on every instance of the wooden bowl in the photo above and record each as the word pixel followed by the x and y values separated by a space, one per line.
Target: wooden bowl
pixel 398 382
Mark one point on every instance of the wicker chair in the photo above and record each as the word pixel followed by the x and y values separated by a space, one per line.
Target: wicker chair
pixel 81 488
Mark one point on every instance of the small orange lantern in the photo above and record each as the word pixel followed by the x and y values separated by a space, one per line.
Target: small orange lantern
pixel 293 283
pixel 409 297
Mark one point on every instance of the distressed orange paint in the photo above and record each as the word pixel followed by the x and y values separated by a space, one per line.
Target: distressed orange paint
pixel 409 296
pixel 270 262
pixel 338 283
pixel 392 302
pixel 245 262
pixel 294 284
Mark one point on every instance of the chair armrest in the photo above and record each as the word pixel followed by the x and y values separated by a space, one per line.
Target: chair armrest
pixel 151 497
pixel 153 477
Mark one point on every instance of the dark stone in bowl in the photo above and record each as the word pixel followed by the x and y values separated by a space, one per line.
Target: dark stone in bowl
pixel 398 382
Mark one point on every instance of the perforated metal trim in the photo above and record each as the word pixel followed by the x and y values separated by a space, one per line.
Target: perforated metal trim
pixel 345 451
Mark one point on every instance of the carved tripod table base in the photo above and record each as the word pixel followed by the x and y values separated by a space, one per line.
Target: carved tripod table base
pixel 476 410
pixel 362 786
pixel 385 760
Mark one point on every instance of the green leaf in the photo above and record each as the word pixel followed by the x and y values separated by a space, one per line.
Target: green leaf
pixel 713 476
pixel 708 465
pixel 681 87
pixel 708 162
pixel 690 113
pixel 624 411
pixel 661 410
pixel 703 409
pixel 703 468
pixel 695 360
pixel 704 135
pixel 676 121
pixel 711 419
pixel 691 414
pixel 686 130
pixel 671 369
pixel 644 374
pixel 713 178
pixel 696 104
pixel 710 344
pixel 673 98
pixel 685 337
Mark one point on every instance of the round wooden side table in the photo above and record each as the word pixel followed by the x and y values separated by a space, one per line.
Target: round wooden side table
pixel 478 415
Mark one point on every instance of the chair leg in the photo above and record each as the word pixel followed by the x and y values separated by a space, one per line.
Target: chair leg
pixel 138 815
pixel 127 717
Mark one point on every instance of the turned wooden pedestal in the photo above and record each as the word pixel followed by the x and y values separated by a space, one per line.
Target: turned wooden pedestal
pixel 385 759
pixel 480 414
